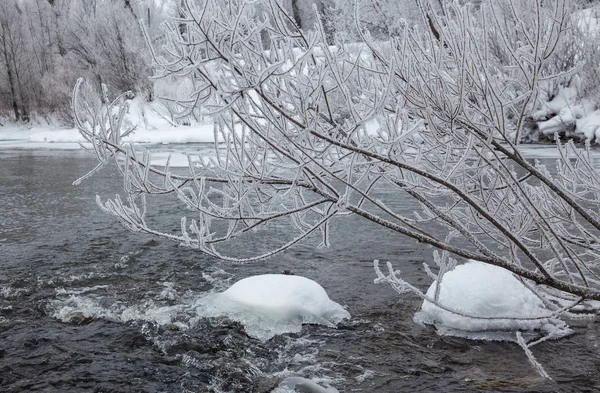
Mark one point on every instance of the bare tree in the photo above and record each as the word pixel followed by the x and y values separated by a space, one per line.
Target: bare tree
pixel 314 132
pixel 11 54
pixel 46 45
pixel 381 18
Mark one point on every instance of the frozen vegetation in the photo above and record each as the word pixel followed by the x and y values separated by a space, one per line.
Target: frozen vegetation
pixel 570 108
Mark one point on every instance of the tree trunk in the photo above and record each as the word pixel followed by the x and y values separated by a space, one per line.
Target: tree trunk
pixel 14 56
pixel 130 8
pixel 11 82
pixel 9 71
pixel 296 13
pixel 430 23
pixel 328 27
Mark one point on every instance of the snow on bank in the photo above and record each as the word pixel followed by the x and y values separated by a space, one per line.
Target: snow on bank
pixel 566 113
pixel 19 137
pixel 152 126
pixel 570 112
pixel 37 137
pixel 545 151
pixel 500 303
pixel 272 304
pixel 192 134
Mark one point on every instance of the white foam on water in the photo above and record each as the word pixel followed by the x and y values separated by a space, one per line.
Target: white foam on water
pixel 79 291
pixel 169 292
pixel 267 305
pixel 219 278
pixel 302 385
pixel 9 292
pixel 368 374
pixel 94 307
pixel 301 358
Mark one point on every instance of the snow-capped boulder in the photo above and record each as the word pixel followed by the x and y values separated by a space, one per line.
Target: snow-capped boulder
pixel 273 304
pixel 492 304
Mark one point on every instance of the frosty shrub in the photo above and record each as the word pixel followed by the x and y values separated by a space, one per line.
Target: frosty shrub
pixel 312 131
pixel 576 57
pixel 381 18
pixel 583 40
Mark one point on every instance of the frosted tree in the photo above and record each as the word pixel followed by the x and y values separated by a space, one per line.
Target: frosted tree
pixel 310 132
pixel 381 18
pixel 104 35
pixel 46 45
pixel 13 57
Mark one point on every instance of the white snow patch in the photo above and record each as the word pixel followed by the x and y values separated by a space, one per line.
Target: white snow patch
pixel 48 138
pixel 590 125
pixel 588 20
pixel 564 99
pixel 572 114
pixel 20 137
pixel 569 114
pixel 272 304
pixel 484 291
pixel 56 136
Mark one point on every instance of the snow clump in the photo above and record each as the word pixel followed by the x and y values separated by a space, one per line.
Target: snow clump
pixel 493 305
pixel 272 304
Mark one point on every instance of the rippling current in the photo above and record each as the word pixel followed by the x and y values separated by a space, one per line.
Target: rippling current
pixel 86 306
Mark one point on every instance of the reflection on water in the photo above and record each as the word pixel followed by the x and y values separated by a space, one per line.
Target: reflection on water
pixel 87 306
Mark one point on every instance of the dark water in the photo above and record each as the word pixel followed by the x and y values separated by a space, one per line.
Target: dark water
pixel 62 261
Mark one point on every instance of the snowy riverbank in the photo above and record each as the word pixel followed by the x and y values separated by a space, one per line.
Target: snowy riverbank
pixel 19 137
pixel 46 138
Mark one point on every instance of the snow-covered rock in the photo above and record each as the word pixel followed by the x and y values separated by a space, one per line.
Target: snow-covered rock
pixel 590 126
pixel 492 303
pixel 572 118
pixel 272 304
pixel 565 98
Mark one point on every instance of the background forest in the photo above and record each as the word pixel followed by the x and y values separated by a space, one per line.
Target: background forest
pixel 46 45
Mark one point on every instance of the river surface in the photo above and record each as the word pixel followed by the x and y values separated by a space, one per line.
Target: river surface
pixel 86 306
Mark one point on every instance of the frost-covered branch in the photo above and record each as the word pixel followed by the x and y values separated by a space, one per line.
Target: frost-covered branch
pixel 306 131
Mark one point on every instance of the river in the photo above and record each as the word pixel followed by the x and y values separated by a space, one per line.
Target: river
pixel 86 306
